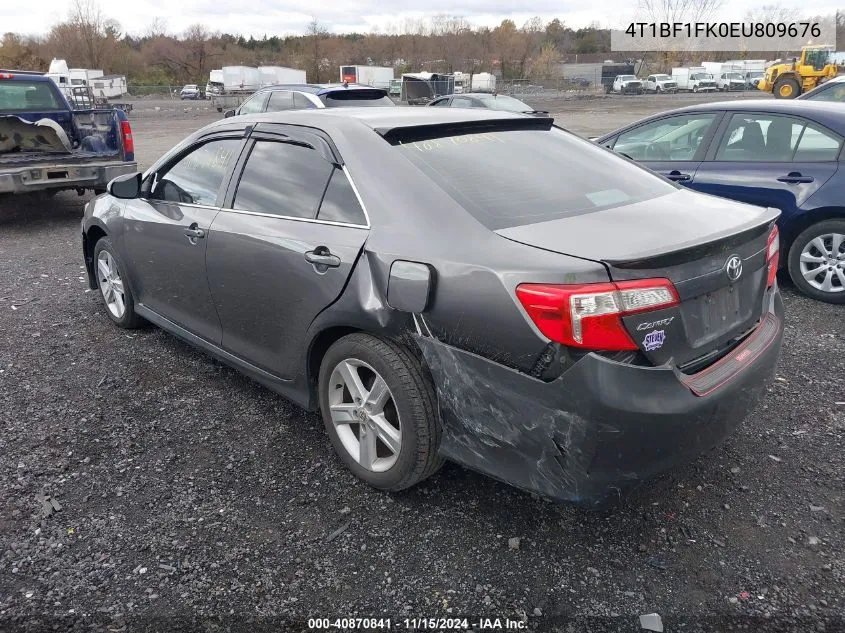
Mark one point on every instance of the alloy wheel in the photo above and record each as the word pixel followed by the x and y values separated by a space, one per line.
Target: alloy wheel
pixel 111 285
pixel 363 411
pixel 822 262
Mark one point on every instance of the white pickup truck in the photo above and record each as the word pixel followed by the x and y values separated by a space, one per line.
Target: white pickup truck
pixel 660 83
pixel 627 84
pixel 695 79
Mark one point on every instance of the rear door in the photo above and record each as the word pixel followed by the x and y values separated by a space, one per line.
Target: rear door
pixel 768 160
pixel 166 234
pixel 284 246
pixel 673 146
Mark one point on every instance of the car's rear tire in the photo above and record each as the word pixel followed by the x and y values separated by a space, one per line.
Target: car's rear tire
pixel 391 440
pixel 816 261
pixel 786 88
pixel 114 289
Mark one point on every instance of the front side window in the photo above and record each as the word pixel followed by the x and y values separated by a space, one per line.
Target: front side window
pixel 196 177
pixel 282 179
pixel 518 177
pixel 772 138
pixel 672 138
pixel 280 100
pixel 254 104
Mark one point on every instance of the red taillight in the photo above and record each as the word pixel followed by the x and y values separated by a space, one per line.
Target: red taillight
pixel 772 256
pixel 6 76
pixel 128 143
pixel 589 315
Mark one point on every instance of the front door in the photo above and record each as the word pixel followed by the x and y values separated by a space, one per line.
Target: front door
pixel 283 250
pixel 166 236
pixel 673 146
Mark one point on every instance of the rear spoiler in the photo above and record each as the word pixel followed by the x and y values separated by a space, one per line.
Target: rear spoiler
pixel 411 133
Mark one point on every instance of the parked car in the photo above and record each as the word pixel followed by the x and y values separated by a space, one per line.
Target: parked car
pixel 488 101
pixel 627 84
pixel 190 91
pixel 729 81
pixel 783 154
pixel 312 96
pixel 46 145
pixel 832 90
pixel 570 336
pixel 660 83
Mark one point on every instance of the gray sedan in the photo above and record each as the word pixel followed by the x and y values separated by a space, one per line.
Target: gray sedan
pixel 453 284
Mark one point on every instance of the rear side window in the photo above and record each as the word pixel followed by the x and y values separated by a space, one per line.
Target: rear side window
pixel 197 176
pixel 770 138
pixel 513 178
pixel 280 100
pixel 835 92
pixel 340 204
pixel 282 179
pixel 301 102
pixel 23 96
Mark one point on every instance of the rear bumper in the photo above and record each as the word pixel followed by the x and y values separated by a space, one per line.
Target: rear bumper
pixel 39 176
pixel 602 426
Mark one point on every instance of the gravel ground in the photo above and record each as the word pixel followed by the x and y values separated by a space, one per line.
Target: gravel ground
pixel 147 487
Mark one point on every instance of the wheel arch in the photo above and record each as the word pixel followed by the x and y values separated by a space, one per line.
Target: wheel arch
pixel 801 223
pixel 89 242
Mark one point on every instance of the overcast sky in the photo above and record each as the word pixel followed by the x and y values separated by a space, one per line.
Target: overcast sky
pixel 285 17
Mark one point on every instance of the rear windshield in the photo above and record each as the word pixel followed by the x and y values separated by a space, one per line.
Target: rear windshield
pixel 513 178
pixel 27 96
pixel 509 104
pixel 356 98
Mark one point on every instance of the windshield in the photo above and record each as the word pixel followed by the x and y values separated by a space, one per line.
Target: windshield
pixel 518 177
pixel 662 78
pixel 23 96
pixel 701 76
pixel 509 104
pixel 356 99
pixel 626 77
pixel 734 76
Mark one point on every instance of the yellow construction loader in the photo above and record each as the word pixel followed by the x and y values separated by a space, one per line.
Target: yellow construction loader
pixel 789 78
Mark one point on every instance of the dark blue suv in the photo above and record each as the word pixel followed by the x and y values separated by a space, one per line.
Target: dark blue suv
pixel 782 154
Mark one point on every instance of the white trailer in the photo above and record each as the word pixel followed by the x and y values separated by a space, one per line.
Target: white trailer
pixel 376 76
pixel 240 79
pixel 273 75
pixel 109 86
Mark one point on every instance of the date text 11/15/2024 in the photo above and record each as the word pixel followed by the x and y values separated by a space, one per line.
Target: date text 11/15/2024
pixel 416 624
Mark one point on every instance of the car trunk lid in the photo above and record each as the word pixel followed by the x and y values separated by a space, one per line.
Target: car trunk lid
pixel 695 241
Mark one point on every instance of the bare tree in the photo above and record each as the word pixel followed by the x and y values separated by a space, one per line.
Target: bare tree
pixel 156 28
pixel 547 63
pixel 671 11
pixel 315 34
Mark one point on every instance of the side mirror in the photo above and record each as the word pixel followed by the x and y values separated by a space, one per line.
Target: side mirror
pixel 125 187
pixel 228 114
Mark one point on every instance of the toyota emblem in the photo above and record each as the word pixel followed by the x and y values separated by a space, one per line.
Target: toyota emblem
pixel 733 268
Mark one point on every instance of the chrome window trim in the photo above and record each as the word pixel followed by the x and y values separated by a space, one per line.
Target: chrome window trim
pixel 289 217
pixel 357 195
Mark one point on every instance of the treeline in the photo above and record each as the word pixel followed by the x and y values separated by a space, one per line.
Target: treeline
pixel 89 39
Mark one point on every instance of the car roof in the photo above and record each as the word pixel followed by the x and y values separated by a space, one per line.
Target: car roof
pixel 321 89
pixel 381 120
pixel 827 113
pixel 25 74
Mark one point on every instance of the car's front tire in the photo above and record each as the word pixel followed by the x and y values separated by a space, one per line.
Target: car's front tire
pixel 817 261
pixel 114 289
pixel 379 408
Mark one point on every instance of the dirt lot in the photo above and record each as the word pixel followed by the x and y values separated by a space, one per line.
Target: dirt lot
pixel 193 499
